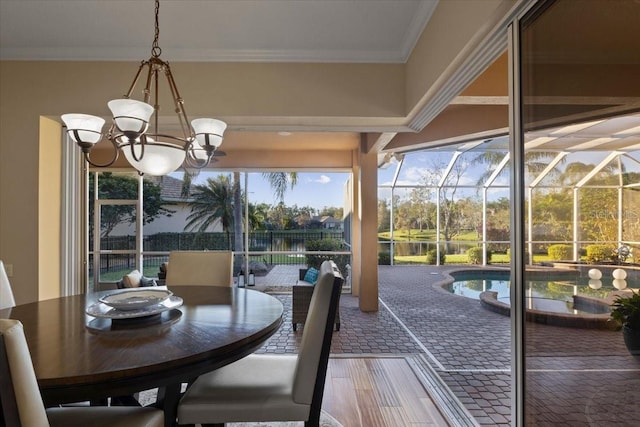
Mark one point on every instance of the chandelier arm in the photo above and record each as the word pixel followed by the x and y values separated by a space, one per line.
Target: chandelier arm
pixel 196 163
pixel 116 152
pixel 208 146
pixel 142 144
pixel 156 105
pixel 86 146
pixel 187 131
pixel 147 87
pixel 135 80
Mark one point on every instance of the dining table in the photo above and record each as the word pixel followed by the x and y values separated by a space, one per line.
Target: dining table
pixel 79 357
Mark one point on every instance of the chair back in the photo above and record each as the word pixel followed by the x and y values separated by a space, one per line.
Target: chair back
pixel 313 357
pixel 19 393
pixel 200 268
pixel 6 294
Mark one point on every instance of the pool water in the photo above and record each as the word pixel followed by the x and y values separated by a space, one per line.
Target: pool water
pixel 543 294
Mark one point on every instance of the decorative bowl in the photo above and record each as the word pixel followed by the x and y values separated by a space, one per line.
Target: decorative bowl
pixel 135 299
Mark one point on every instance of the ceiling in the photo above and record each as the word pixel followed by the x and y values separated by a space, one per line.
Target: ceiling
pixel 365 31
pixel 380 31
pixel 353 31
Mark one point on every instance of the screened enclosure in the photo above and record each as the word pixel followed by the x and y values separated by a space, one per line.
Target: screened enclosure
pixel 452 203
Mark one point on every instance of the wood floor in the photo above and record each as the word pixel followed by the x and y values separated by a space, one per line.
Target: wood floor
pixel 377 392
pixel 368 392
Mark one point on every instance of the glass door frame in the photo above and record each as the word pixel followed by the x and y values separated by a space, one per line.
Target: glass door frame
pixel 97 252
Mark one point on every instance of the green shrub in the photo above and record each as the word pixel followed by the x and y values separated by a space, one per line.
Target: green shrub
pixel 526 256
pixel 560 252
pixel 316 261
pixel 475 255
pixel 599 253
pixel 432 256
pixel 384 258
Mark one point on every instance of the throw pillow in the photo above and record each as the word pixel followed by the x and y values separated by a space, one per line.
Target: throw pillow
pixel 311 276
pixel 132 280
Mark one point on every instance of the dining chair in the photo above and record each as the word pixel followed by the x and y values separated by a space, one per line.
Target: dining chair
pixel 262 387
pixel 21 402
pixel 6 294
pixel 200 268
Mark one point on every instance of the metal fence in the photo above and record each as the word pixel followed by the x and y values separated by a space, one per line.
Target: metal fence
pixel 270 247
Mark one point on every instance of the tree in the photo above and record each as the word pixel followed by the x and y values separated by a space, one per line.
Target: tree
pixel 124 187
pixel 331 211
pixel 420 205
pixel 449 212
pixel 212 202
pixel 384 216
pixel 403 219
pixel 304 216
pixel 281 217
pixel 534 162
pixel 238 243
pixel 258 216
pixel 279 182
pixel 498 223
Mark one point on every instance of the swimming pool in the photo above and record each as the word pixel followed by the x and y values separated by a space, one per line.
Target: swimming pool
pixel 544 292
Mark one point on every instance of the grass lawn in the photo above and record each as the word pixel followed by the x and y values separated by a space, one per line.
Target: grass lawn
pixel 462 259
pixel 424 235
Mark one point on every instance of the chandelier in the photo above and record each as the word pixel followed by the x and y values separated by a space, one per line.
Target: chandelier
pixel 136 132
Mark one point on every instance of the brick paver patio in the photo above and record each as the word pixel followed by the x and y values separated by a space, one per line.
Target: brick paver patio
pixel 575 376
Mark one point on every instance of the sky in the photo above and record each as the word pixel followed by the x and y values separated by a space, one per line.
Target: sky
pixel 317 190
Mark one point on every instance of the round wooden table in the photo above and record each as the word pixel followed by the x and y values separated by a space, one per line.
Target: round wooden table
pixel 78 357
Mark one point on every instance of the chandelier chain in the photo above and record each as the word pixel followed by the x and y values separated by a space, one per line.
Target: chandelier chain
pixel 155 49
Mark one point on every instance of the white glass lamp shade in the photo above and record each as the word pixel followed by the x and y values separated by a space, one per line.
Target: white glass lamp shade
pixel 131 116
pixel 157 160
pixel 596 274
pixel 83 127
pixel 619 273
pixel 211 129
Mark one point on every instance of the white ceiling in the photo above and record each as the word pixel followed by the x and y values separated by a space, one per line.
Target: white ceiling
pixel 383 31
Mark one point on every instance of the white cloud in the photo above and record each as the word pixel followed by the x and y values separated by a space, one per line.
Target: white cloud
pixel 414 175
pixel 324 179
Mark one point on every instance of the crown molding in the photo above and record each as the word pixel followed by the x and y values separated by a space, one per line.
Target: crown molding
pixel 487 44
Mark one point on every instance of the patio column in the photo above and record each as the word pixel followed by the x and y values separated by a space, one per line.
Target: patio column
pixel 368 213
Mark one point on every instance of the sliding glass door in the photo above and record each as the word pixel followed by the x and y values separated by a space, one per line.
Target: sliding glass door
pixel 578 125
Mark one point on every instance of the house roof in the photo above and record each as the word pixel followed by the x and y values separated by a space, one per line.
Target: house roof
pixel 170 188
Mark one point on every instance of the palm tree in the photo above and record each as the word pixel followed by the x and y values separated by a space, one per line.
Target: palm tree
pixel 211 202
pixel 220 199
pixel 257 216
pixel 535 163
pixel 279 182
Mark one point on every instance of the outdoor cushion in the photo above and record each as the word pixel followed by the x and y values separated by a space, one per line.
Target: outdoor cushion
pixel 135 279
pixel 132 280
pixel 311 276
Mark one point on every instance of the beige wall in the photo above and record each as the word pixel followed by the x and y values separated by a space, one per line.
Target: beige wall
pixel 49 208
pixel 250 96
pixel 53 88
